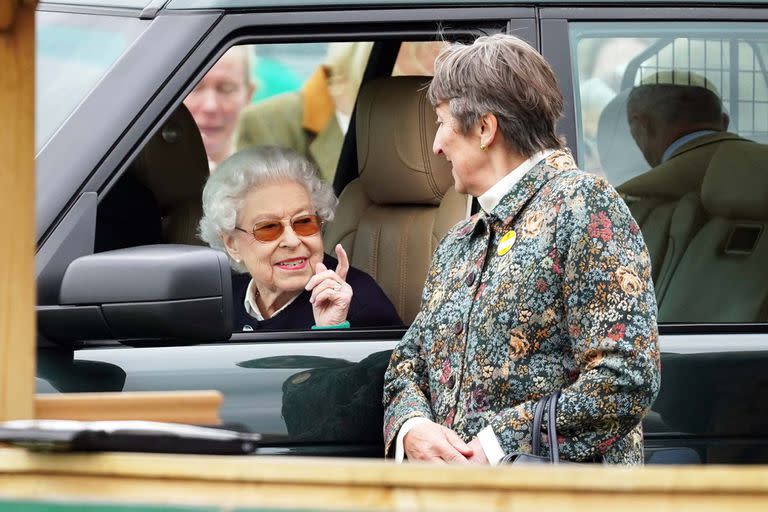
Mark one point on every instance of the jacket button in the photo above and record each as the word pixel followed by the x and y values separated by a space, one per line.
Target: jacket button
pixel 451 382
pixel 470 280
pixel 458 328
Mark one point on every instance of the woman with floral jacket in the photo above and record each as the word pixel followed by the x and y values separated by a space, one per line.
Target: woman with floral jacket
pixel 547 288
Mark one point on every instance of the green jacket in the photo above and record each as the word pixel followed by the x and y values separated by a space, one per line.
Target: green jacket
pixel 303 120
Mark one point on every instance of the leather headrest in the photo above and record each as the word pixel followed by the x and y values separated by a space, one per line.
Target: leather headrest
pixel 173 164
pixel 620 157
pixel 396 126
pixel 736 183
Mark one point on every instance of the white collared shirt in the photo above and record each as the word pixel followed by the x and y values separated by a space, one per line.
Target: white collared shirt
pixel 491 197
pixel 252 309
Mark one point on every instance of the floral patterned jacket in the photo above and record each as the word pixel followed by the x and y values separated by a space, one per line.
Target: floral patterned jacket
pixel 570 305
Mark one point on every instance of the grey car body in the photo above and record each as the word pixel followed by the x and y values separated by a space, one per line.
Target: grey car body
pixel 312 392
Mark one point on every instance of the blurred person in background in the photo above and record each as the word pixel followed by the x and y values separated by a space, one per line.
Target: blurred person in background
pixel 313 120
pixel 417 58
pixel 217 100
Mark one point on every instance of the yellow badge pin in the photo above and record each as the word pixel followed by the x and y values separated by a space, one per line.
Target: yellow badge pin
pixel 506 242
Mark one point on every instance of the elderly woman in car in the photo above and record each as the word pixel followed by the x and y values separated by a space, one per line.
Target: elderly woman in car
pixel 266 207
pixel 546 290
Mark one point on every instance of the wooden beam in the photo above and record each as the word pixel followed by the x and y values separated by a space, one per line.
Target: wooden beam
pixel 195 407
pixel 17 178
pixel 223 483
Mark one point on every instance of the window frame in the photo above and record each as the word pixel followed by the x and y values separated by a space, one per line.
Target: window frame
pixel 555 36
pixel 230 29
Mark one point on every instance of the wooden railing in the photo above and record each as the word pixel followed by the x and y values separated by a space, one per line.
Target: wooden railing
pixel 294 483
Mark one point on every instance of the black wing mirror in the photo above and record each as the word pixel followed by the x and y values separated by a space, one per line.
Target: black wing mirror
pixel 156 294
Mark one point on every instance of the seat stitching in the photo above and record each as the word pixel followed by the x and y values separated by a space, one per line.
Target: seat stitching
pixel 425 148
pixel 404 267
pixel 374 256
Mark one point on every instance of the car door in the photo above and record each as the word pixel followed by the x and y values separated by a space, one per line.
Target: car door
pixel 309 392
pixel 711 299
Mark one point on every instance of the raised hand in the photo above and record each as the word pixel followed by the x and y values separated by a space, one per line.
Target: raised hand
pixel 331 295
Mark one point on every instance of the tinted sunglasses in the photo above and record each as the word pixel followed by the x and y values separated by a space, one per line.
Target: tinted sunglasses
pixel 271 230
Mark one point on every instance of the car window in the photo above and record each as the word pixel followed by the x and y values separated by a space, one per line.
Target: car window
pixel 327 77
pixel 158 199
pixel 317 106
pixel 675 115
pixel 609 59
pixel 73 52
pixel 280 68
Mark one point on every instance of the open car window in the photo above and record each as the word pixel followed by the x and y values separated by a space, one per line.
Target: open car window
pixel 158 199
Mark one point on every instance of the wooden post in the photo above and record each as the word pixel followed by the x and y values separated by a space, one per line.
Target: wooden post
pixel 17 178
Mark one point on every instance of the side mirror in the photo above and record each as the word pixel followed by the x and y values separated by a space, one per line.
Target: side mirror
pixel 143 295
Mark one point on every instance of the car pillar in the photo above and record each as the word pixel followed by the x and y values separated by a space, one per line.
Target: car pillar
pixel 17 178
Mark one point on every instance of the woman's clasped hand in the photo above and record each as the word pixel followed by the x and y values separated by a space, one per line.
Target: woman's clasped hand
pixel 430 442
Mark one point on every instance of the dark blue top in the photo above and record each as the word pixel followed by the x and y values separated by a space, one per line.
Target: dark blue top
pixel 370 307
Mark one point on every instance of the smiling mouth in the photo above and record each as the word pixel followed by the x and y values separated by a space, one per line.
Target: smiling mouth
pixel 292 264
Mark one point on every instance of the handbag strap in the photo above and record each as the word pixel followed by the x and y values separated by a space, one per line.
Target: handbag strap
pixel 549 404
pixel 554 449
pixel 538 416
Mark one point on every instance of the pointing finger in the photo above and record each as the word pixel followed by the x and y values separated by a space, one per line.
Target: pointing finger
pixel 343 267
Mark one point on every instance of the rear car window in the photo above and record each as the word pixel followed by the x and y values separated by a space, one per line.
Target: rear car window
pixel 675 116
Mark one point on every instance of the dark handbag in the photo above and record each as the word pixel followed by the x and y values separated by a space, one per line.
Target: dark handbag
pixel 549 404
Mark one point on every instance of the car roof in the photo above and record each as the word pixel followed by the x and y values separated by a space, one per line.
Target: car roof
pixel 240 4
pixel 282 4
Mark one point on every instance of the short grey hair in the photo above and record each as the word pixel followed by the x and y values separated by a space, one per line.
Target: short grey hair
pixel 226 188
pixel 505 76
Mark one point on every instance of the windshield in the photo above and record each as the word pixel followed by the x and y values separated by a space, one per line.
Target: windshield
pixel 74 51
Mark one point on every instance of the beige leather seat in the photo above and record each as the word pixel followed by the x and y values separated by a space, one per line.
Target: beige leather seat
pixel 722 276
pixel 391 218
pixel 668 219
pixel 174 167
pixel 666 202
